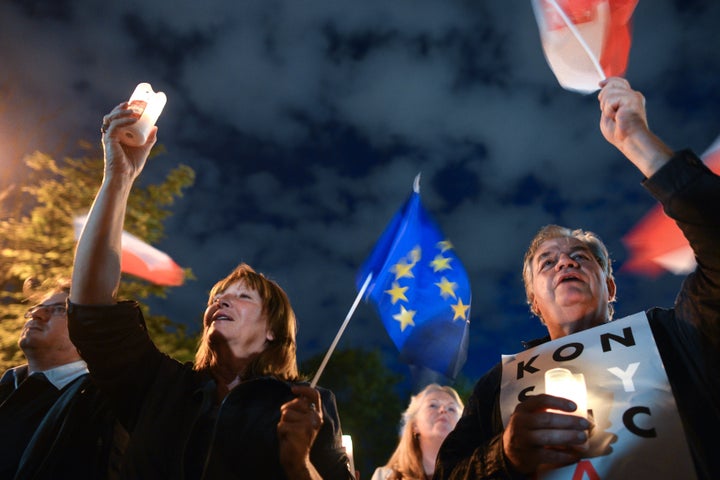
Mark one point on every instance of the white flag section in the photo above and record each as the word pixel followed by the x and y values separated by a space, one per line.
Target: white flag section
pixel 584 41
pixel 142 260
pixel 638 432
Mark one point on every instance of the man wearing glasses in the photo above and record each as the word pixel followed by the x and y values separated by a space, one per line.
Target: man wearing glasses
pixel 54 422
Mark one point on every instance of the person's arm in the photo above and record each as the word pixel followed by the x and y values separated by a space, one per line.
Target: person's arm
pixel 310 439
pixel 688 191
pixel 624 124
pixel 96 269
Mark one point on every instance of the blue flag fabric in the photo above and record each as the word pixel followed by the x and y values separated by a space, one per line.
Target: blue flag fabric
pixel 420 290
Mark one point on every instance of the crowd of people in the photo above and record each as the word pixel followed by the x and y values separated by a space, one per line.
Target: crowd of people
pixel 97 399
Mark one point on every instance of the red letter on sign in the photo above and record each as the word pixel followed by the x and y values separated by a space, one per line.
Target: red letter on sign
pixel 585 467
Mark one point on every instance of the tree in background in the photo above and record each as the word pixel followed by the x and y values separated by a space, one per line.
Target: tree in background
pixel 37 239
pixel 464 386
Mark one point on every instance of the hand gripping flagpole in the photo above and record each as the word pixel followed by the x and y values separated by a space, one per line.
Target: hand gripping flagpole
pixel 579 38
pixel 342 329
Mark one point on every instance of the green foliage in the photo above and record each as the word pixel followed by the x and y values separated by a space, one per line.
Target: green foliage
pixel 37 239
pixel 464 386
pixel 368 402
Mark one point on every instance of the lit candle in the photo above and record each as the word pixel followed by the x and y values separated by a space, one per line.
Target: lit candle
pixel 150 104
pixel 561 382
pixel 347 443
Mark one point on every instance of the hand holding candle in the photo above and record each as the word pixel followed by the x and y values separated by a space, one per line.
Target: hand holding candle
pixel 150 105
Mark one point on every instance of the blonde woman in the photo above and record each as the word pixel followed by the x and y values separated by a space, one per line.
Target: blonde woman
pixel 430 417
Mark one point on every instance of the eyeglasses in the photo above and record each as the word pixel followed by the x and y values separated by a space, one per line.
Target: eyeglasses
pixel 53 308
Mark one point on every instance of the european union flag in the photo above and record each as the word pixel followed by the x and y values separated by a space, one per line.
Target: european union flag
pixel 420 290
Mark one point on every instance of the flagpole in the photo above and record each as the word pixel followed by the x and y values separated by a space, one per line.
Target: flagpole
pixel 579 38
pixel 361 292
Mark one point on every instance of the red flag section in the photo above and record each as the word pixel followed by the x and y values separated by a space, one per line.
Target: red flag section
pixel 616 48
pixel 656 243
pixel 143 260
pixel 585 41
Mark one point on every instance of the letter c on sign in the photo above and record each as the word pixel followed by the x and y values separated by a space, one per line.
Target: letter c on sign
pixel 629 422
pixel 525 393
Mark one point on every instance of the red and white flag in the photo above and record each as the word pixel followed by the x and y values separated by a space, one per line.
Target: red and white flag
pixel 585 41
pixel 657 244
pixel 142 260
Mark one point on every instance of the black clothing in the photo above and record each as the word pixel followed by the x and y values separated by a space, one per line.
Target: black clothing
pixel 49 433
pixel 177 430
pixel 21 411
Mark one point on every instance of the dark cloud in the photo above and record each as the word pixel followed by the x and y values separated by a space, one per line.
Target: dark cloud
pixel 306 123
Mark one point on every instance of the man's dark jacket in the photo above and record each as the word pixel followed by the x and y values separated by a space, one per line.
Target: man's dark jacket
pixel 72 434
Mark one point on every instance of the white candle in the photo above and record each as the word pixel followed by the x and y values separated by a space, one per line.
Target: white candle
pixel 150 104
pixel 561 382
pixel 347 443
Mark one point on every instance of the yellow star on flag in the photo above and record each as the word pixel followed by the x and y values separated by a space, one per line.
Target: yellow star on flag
pixel 460 310
pixel 415 254
pixel 403 270
pixel 397 292
pixel 441 263
pixel 447 288
pixel 405 317
pixel 444 245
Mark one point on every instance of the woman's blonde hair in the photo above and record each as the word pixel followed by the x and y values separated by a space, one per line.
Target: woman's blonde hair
pixel 407 460
pixel 279 357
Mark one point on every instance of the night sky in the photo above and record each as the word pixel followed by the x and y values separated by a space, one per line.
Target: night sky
pixel 307 121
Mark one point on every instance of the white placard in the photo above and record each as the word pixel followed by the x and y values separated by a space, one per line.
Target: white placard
pixel 638 432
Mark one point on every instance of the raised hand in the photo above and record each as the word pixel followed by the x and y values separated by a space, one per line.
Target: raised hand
pixel 300 422
pixel 119 157
pixel 624 124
